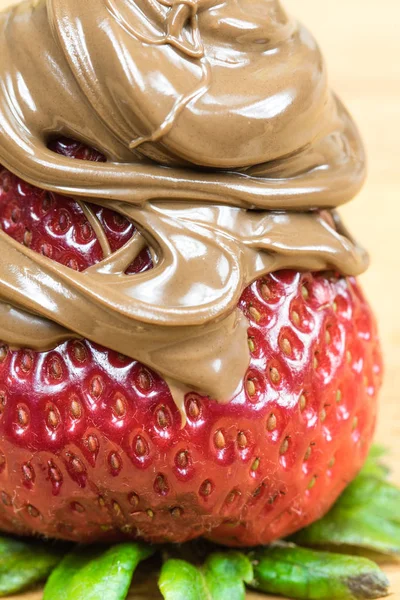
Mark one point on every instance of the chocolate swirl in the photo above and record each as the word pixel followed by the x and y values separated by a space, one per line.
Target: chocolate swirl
pixel 223 144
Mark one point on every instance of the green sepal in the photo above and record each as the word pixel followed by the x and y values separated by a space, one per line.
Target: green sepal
pixel 25 563
pixel 221 577
pixel 304 574
pixel 366 516
pixel 373 465
pixel 94 572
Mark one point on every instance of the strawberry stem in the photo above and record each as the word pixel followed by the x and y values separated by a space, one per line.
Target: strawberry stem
pixel 221 577
pixel 303 574
pixel 90 573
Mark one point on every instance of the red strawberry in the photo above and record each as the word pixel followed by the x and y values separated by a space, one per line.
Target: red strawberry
pixel 91 444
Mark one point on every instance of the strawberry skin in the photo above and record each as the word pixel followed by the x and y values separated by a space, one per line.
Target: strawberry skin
pixel 92 445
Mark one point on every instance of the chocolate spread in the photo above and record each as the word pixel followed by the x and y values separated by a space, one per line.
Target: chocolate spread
pixel 224 146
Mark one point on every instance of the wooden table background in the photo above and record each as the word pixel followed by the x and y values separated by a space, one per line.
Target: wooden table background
pixel 361 42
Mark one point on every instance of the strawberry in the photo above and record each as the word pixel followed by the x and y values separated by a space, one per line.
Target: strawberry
pixel 92 445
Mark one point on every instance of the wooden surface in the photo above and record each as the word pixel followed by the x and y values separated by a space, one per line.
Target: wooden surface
pixel 363 56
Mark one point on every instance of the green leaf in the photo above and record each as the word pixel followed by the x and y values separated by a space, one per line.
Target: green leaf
pixel 93 573
pixel 24 563
pixel 367 516
pixel 373 465
pixel 377 451
pixel 179 580
pixel 305 574
pixel 220 578
pixel 225 573
pixel 373 494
